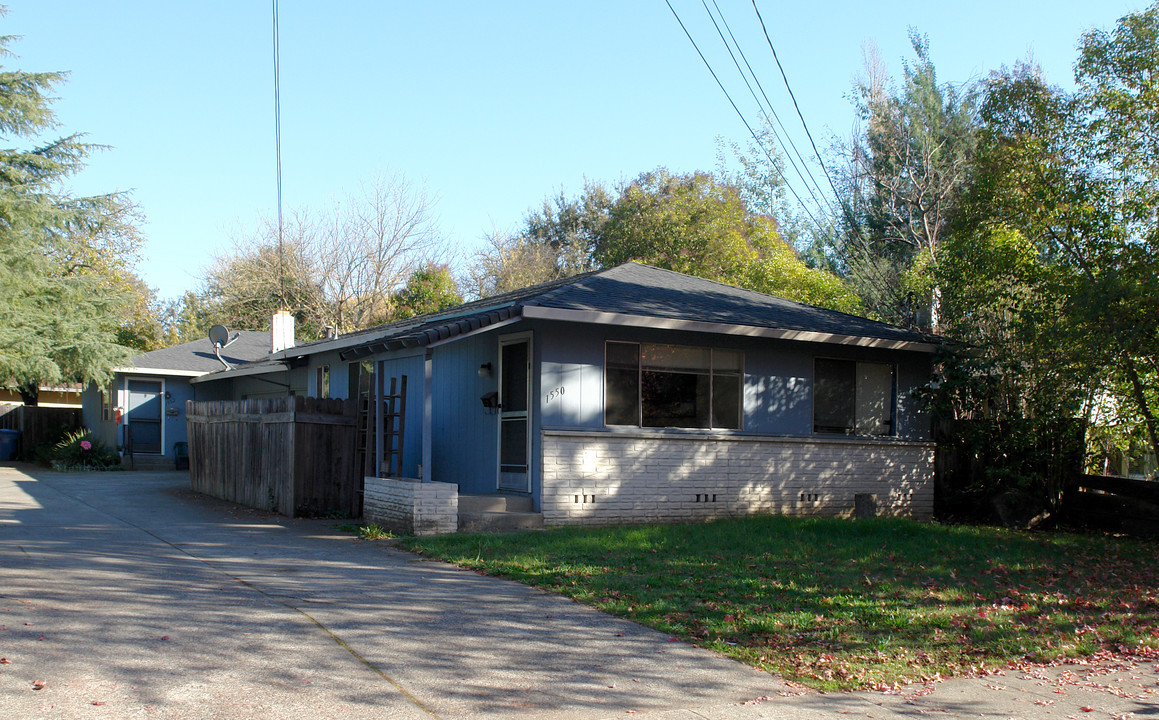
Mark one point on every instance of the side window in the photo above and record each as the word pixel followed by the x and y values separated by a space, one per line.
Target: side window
pixel 107 402
pixel 853 398
pixel 322 382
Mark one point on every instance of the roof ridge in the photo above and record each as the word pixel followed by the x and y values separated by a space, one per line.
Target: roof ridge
pixel 860 318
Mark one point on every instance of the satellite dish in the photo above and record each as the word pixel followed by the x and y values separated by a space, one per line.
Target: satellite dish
pixel 220 338
pixel 218 335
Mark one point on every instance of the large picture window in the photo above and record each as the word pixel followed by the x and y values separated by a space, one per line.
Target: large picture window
pixel 672 386
pixel 853 398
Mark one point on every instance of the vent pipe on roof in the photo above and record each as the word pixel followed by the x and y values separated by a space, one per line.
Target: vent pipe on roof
pixel 282 331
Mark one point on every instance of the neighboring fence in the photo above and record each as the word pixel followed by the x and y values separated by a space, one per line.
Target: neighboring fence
pixel 39 425
pixel 1004 470
pixel 292 455
pixel 1114 504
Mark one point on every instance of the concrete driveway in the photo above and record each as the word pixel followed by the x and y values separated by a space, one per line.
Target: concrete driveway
pixel 129 596
pixel 125 595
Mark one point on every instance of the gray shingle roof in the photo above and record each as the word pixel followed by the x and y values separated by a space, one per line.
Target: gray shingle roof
pixel 197 356
pixel 631 291
pixel 641 290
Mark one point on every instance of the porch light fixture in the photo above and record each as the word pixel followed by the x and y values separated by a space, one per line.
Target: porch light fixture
pixel 485 370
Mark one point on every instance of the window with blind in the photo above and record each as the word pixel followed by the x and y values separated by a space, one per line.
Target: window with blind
pixel 853 398
pixel 672 386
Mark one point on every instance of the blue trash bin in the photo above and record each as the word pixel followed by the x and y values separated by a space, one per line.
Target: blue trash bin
pixel 9 441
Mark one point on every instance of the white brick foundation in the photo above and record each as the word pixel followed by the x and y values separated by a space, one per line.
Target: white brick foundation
pixel 410 506
pixel 600 478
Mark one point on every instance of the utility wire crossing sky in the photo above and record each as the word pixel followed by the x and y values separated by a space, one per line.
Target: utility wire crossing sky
pixel 489 106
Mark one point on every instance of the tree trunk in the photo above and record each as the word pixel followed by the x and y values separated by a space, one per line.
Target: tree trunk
pixel 29 394
pixel 1141 400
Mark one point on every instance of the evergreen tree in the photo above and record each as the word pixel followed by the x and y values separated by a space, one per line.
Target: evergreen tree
pixel 59 308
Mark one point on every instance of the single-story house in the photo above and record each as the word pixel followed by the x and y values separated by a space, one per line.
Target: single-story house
pixel 59 395
pixel 634 393
pixel 146 398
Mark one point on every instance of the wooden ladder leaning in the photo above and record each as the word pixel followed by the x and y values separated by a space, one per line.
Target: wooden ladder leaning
pixel 381 426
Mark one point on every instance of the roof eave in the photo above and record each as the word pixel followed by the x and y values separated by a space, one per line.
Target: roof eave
pixel 651 321
pixel 161 371
pixel 240 372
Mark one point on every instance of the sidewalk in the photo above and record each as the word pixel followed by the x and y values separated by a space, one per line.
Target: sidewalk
pixel 131 597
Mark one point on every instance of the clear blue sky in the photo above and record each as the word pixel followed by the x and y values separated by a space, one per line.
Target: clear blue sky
pixel 490 105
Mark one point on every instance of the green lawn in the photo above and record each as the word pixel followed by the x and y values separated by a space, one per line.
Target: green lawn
pixel 838 604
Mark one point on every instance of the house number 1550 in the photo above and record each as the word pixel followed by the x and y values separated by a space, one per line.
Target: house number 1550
pixel 554 394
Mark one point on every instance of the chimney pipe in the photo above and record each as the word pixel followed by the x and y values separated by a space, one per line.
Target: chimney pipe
pixel 282 331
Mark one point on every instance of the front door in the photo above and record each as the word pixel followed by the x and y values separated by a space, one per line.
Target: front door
pixel 145 416
pixel 514 413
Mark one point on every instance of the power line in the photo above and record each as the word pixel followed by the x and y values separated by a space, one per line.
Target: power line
pixel 855 228
pixel 773 110
pixel 797 107
pixel 278 152
pixel 761 106
pixel 740 114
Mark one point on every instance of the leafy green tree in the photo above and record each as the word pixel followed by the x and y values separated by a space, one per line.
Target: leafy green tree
pixel 781 272
pixel 59 309
pixel 902 179
pixel 429 289
pixel 555 241
pixel 141 325
pixel 696 225
pixel 187 318
pixel 1073 179
pixel 687 223
pixel 690 223
pixel 571 227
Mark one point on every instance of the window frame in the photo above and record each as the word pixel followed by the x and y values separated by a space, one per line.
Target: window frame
pixel 639 424
pixel 322 381
pixel 893 404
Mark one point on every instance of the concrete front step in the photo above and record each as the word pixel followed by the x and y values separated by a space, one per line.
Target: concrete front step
pixel 498 521
pixel 494 503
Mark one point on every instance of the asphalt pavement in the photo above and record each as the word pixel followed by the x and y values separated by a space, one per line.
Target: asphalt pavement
pixel 126 595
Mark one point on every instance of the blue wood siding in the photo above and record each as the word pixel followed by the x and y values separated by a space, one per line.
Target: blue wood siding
pixel 339 375
pixel 412 367
pixel 778 387
pixel 465 435
pixel 177 392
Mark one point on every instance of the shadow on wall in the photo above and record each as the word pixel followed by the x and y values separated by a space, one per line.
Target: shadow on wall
pixel 609 479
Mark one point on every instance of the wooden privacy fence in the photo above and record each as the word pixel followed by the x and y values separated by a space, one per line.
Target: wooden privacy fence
pixel 1114 504
pixel 293 455
pixel 39 425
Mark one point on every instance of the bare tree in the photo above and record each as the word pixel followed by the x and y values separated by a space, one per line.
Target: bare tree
pixel 509 262
pixel 338 267
pixel 365 248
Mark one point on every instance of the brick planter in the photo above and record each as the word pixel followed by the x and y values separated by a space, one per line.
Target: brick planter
pixel 411 507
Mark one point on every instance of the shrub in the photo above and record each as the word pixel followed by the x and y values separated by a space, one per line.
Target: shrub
pixel 373 532
pixel 81 451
